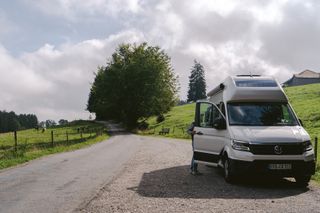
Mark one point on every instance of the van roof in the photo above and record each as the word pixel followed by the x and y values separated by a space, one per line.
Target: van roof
pixel 250 88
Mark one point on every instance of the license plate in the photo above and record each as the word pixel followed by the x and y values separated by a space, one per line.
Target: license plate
pixel 280 166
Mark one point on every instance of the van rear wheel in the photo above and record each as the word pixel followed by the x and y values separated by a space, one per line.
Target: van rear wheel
pixel 227 168
pixel 302 180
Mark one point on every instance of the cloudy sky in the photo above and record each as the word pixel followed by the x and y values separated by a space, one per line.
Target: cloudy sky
pixel 49 49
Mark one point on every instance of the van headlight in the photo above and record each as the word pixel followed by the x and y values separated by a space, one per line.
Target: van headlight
pixel 240 145
pixel 307 146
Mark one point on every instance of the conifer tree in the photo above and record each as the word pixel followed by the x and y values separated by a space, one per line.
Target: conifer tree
pixel 197 83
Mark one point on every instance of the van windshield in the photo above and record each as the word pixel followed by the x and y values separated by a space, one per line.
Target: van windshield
pixel 261 114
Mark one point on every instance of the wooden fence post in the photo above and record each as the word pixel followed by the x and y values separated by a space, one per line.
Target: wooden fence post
pixel 316 148
pixel 52 138
pixel 15 141
pixel 81 134
pixel 67 136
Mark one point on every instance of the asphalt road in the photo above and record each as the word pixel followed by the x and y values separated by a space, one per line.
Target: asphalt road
pixel 130 173
pixel 63 182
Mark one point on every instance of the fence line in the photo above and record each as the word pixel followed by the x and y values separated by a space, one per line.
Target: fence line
pixel 53 138
pixel 169 130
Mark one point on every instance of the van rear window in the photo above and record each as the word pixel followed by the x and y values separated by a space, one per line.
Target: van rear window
pixel 255 83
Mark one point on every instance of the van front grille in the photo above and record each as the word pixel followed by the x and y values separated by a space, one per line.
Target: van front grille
pixel 277 149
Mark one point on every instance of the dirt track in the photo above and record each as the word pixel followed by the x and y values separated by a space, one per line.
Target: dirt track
pixel 157 179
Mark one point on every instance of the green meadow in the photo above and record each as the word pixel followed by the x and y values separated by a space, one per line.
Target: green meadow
pixel 178 120
pixel 34 143
pixel 305 100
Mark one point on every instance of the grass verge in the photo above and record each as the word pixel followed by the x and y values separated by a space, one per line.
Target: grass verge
pixel 33 143
pixel 13 158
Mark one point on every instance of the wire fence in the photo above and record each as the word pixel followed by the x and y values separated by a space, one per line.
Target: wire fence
pixel 16 141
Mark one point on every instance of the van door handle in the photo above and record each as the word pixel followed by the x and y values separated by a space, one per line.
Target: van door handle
pixel 199 133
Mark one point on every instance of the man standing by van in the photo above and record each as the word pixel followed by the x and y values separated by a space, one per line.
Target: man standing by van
pixel 193 166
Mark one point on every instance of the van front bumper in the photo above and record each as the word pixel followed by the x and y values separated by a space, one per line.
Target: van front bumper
pixel 260 167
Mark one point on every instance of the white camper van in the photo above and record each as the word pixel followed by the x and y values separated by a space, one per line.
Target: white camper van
pixel 248 126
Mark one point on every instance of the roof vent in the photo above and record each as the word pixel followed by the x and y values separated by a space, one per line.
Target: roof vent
pixel 248 75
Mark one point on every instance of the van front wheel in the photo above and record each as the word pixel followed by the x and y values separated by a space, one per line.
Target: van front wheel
pixel 302 180
pixel 228 176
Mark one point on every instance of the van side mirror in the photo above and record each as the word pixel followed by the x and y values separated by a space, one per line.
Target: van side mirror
pixel 300 121
pixel 220 123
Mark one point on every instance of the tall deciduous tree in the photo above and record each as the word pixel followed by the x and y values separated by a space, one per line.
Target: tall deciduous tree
pixel 197 83
pixel 63 122
pixel 138 82
pixel 50 123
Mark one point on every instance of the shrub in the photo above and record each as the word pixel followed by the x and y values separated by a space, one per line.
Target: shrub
pixel 160 118
pixel 143 125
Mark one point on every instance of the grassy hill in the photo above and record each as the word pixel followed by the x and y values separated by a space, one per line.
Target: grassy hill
pixel 34 143
pixel 304 99
pixel 178 120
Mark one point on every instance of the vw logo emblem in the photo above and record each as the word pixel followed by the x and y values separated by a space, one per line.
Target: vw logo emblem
pixel 278 150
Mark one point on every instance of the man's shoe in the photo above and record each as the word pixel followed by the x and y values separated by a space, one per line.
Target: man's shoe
pixel 195 173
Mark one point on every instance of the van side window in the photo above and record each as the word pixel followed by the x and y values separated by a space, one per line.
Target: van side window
pixel 205 115
pixel 216 114
pixel 208 113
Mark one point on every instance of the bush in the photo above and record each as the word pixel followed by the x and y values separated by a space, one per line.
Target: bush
pixel 160 118
pixel 143 125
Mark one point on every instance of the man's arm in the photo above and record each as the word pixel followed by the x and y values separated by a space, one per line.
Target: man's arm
pixel 191 129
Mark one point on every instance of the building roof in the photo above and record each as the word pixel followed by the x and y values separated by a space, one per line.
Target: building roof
pixel 307 74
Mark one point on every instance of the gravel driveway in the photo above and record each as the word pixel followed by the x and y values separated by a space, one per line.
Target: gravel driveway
pixel 157 179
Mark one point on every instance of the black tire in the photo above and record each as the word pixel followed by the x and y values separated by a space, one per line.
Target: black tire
pixel 227 170
pixel 303 181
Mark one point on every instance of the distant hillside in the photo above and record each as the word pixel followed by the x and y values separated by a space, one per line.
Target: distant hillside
pixel 304 99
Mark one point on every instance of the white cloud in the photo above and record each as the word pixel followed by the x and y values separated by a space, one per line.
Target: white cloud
pixel 76 10
pixel 227 37
pixel 295 42
pixel 55 82
pixel 232 58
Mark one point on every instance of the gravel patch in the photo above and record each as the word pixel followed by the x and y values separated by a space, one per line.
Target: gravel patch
pixel 157 179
